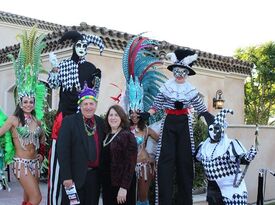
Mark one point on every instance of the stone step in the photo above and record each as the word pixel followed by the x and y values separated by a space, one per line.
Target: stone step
pixel 199 199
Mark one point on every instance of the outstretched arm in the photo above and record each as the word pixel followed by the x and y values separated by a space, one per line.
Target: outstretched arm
pixel 153 134
pixel 53 79
pixel 7 126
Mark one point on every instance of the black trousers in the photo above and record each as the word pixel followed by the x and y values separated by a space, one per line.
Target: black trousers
pixel 214 195
pixel 89 193
pixel 176 153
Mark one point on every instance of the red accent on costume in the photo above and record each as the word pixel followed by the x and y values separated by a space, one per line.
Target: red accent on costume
pixel 177 112
pixel 56 125
pixel 95 164
pixel 24 203
pixel 42 149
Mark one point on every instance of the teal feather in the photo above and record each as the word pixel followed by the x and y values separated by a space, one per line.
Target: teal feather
pixel 146 67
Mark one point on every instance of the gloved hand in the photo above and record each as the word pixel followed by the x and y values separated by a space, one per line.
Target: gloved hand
pixel 178 105
pixel 97 73
pixel 209 118
pixel 144 115
pixel 53 59
pixel 250 155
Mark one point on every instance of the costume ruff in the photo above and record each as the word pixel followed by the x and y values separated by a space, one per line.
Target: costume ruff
pixel 27 164
pixel 219 162
pixel 182 92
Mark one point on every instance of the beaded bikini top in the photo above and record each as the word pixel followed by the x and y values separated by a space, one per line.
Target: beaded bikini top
pixel 26 136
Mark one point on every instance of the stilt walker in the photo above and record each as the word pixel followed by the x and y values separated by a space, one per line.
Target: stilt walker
pixel 69 75
pixel 176 144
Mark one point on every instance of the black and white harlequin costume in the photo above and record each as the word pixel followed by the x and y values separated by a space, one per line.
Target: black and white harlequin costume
pixel 71 77
pixel 221 157
pixel 176 144
pixel 73 72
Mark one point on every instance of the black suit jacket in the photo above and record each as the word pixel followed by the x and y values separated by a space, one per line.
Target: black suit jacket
pixel 72 148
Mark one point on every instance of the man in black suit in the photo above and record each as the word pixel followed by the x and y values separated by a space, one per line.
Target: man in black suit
pixel 78 150
pixel 70 76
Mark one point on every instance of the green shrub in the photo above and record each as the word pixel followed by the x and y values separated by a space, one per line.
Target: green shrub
pixel 49 119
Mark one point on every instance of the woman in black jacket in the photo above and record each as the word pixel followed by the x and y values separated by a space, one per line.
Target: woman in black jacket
pixel 119 158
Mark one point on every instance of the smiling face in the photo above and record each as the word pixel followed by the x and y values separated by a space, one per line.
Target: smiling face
pixel 114 119
pixel 27 104
pixel 81 48
pixel 88 107
pixel 134 117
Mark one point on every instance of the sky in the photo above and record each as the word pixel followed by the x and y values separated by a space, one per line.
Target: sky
pixel 215 26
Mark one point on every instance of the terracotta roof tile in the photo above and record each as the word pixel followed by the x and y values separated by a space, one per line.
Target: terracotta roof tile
pixel 26 21
pixel 117 40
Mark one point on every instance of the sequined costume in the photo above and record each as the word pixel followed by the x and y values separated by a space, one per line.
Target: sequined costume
pixel 145 164
pixel 24 165
pixel 141 68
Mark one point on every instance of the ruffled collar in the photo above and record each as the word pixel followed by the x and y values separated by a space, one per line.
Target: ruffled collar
pixel 174 90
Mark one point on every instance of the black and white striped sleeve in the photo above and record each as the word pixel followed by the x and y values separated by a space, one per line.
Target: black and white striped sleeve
pixel 198 104
pixel 159 101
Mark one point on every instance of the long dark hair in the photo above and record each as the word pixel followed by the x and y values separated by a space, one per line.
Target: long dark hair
pixel 125 124
pixel 19 113
pixel 140 125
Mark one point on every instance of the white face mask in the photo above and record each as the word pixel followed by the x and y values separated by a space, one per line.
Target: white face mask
pixel 180 72
pixel 81 48
pixel 215 132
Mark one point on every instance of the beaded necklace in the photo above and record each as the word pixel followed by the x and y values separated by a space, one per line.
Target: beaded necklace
pixel 105 143
pixel 212 154
pixel 89 130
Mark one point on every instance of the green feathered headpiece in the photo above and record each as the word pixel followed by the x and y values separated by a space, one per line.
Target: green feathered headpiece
pixel 27 67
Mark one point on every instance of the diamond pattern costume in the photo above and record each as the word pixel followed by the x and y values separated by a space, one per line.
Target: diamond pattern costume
pixel 71 76
pixel 220 160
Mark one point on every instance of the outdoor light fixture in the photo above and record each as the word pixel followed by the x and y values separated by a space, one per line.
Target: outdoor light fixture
pixel 218 101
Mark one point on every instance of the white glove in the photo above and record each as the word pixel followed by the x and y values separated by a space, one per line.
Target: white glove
pixel 53 60
pixel 250 155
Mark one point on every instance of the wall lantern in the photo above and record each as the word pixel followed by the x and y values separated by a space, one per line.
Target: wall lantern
pixel 218 101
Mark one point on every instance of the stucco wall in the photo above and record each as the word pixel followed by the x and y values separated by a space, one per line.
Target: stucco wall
pixel 206 81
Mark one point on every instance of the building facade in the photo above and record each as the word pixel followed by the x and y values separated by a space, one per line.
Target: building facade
pixel 214 72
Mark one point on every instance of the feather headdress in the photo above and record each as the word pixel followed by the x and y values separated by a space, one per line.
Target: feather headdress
pixel 27 66
pixel 140 66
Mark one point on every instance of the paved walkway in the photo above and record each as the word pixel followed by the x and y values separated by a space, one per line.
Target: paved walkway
pixel 15 196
